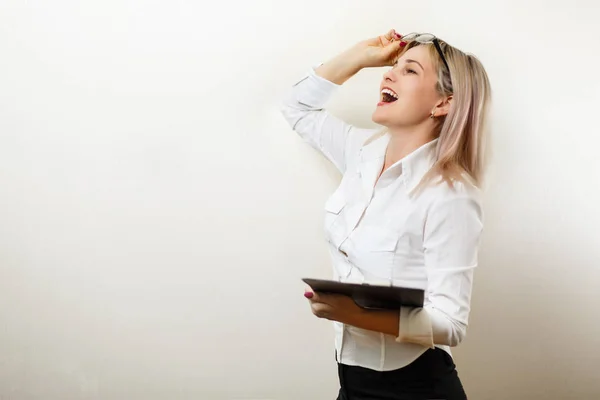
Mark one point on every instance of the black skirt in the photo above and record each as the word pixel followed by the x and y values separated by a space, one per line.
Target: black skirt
pixel 432 376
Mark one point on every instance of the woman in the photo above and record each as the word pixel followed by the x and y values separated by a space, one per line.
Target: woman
pixel 407 211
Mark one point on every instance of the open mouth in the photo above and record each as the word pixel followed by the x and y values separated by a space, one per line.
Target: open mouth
pixel 388 96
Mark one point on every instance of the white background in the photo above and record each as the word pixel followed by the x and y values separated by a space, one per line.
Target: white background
pixel 157 214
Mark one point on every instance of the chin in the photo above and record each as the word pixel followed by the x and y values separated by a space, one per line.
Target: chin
pixel 380 118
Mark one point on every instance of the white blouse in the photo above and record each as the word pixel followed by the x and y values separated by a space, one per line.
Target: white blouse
pixel 377 233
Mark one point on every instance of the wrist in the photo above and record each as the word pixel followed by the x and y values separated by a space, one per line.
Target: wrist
pixel 356 58
pixel 384 321
pixel 342 67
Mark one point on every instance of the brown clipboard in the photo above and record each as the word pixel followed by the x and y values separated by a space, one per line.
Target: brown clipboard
pixel 371 296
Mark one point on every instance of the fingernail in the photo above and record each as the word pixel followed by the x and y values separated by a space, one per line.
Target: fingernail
pixel 402 44
pixel 399 36
pixel 308 295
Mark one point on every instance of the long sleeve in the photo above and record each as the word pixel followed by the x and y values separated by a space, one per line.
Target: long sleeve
pixel 303 108
pixel 451 239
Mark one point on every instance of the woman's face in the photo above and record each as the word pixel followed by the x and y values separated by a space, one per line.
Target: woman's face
pixel 408 91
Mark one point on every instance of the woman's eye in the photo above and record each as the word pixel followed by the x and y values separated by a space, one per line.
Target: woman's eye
pixel 411 71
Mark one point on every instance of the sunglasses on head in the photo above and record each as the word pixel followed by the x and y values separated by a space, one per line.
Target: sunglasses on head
pixel 426 38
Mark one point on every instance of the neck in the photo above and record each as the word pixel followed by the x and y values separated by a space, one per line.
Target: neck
pixel 404 141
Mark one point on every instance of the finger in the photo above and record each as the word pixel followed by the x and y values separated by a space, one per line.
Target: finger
pixel 313 297
pixel 391 34
pixel 387 38
pixel 308 292
pixel 394 46
pixel 393 49
pixel 324 298
pixel 321 310
pixel 320 298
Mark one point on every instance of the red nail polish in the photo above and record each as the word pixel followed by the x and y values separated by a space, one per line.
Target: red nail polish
pixel 398 36
pixel 402 44
pixel 308 295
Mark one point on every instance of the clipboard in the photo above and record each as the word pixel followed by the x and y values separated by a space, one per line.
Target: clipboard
pixel 371 296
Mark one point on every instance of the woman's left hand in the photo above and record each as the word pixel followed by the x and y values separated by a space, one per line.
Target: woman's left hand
pixel 334 307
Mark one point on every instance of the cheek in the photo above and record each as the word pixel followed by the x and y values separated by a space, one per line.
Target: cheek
pixel 410 103
pixel 415 92
pixel 418 99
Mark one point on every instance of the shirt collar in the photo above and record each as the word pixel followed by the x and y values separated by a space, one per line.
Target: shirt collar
pixel 411 168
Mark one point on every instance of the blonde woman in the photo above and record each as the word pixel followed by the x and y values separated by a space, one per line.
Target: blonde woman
pixel 407 211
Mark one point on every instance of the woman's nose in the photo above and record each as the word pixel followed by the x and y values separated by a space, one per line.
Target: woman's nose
pixel 389 75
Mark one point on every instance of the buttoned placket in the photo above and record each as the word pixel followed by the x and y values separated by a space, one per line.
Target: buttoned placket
pixel 369 184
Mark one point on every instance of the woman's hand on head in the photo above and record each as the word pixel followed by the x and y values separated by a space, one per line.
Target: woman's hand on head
pixel 381 51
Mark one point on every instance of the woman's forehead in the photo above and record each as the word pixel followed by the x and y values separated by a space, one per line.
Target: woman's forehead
pixel 418 53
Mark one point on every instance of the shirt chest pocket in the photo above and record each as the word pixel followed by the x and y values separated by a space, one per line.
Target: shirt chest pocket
pixel 376 249
pixel 333 219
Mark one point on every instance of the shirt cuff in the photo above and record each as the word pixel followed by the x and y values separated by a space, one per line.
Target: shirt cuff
pixel 313 90
pixel 415 327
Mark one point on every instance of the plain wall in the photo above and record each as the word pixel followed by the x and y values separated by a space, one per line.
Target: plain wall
pixel 157 213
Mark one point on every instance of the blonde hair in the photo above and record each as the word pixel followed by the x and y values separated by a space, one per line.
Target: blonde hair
pixel 461 133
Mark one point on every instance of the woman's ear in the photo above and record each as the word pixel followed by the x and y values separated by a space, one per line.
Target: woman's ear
pixel 443 107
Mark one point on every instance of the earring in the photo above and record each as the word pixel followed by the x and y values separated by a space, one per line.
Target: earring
pixel 432 114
